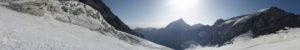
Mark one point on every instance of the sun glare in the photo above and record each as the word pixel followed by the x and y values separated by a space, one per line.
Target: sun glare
pixel 184 4
pixel 185 9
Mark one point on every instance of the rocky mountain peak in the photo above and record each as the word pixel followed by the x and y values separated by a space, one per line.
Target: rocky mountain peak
pixel 219 21
pixel 178 23
pixel 180 19
pixel 272 10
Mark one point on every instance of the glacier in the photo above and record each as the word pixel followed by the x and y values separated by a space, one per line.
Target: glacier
pixel 61 25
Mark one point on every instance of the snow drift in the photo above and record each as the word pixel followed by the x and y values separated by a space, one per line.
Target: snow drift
pixel 282 40
pixel 61 25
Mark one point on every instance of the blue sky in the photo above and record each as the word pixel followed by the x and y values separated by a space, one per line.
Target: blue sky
pixel 159 13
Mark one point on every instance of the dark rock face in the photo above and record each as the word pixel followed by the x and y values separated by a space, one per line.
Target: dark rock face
pixel 109 16
pixel 265 22
pixel 219 21
pixel 174 33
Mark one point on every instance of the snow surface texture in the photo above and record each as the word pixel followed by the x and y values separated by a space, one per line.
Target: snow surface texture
pixel 46 25
pixel 283 40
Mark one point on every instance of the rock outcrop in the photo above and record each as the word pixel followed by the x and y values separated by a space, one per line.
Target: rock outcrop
pixel 111 18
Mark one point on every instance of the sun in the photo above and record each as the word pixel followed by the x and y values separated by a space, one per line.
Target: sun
pixel 184 4
pixel 188 10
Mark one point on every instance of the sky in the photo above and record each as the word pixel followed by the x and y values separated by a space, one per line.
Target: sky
pixel 159 13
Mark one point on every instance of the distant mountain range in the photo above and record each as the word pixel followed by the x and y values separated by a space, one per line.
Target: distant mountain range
pixel 173 35
pixel 179 35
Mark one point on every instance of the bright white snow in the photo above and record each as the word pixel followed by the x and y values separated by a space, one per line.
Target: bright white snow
pixel 283 40
pixel 20 31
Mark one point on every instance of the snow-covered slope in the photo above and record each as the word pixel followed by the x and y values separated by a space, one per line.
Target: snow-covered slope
pixel 282 40
pixel 61 25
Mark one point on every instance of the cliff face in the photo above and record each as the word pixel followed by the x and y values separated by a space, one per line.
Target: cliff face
pixel 109 16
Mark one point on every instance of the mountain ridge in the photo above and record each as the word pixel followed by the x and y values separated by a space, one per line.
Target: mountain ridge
pixel 173 35
pixel 260 23
pixel 264 22
pixel 110 17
